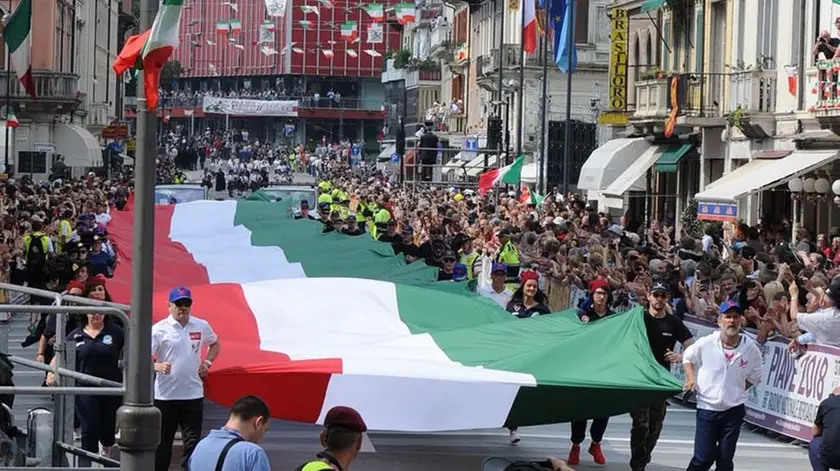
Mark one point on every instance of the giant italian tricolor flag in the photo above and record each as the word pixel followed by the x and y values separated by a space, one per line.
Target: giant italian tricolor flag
pixel 310 320
pixel 17 33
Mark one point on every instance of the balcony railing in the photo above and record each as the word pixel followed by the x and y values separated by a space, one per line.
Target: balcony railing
pixel 698 95
pixel 439 38
pixel 456 123
pixel 48 86
pixel 753 90
pixel 827 88
pixel 308 102
pixel 417 77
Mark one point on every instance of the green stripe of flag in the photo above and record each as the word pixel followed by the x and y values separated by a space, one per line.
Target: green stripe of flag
pixel 19 26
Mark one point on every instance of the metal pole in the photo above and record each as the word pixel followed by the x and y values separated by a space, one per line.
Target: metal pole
pixel 8 98
pixel 544 109
pixel 567 136
pixel 85 378
pixel 522 57
pixel 138 420
pixel 501 79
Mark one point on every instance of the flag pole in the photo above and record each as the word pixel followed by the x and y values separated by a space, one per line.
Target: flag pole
pixel 567 135
pixel 138 420
pixel 544 109
pixel 8 102
pixel 522 57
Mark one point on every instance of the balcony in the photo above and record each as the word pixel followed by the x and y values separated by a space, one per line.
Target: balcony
pixel 456 123
pixel 391 73
pixel 698 102
pixel 54 92
pixel 422 77
pixel 752 102
pixel 439 44
pixel 826 109
pixel 344 103
pixel 488 64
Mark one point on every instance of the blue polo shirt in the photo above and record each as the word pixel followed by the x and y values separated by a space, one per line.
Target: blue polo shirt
pixel 244 456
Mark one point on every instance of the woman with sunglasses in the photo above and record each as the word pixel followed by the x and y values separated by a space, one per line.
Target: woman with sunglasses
pixel 99 347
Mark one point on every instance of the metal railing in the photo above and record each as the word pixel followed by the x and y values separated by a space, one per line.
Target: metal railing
pixel 48 85
pixel 63 415
pixel 348 103
pixel 703 94
pixel 827 88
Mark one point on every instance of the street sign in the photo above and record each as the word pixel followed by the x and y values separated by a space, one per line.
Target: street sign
pixel 395 158
pixel 470 148
pixel 115 131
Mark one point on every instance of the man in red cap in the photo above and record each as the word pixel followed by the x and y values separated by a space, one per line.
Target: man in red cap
pixel 341 438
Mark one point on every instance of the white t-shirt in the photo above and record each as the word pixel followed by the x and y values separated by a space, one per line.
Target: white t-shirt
pixel 501 299
pixel 721 373
pixel 824 324
pixel 182 347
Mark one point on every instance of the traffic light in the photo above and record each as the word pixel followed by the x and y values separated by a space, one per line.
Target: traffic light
pixel 494 134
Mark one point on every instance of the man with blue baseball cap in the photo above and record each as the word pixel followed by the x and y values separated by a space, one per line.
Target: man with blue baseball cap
pixel 177 344
pixel 497 291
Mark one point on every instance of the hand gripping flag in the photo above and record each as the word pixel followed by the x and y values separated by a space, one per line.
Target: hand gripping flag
pixel 150 50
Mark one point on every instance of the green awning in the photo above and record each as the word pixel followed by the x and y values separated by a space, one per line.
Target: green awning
pixel 650 5
pixel 670 159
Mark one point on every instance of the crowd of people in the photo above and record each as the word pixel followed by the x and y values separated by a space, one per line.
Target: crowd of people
pixel 531 259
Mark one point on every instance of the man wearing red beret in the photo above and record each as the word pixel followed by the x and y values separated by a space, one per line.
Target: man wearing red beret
pixel 341 438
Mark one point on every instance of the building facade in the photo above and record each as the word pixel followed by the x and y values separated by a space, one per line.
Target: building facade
pixel 290 68
pixel 475 43
pixel 727 115
pixel 77 92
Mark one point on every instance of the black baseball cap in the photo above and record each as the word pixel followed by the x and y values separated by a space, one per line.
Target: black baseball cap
pixel 660 287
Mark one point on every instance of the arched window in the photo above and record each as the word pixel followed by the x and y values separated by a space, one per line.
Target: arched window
pixel 637 63
pixel 649 51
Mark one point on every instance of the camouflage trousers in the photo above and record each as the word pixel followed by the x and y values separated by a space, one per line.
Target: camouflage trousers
pixel 647 425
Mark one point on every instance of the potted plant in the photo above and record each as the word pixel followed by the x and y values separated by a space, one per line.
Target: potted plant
pixel 736 117
pixel 402 58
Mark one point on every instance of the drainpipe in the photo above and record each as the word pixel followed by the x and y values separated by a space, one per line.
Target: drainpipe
pixel 800 63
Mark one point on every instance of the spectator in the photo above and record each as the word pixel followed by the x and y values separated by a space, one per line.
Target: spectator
pixel 234 447
pixel 341 439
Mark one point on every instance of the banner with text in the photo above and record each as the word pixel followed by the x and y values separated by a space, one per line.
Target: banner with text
pixel 236 107
pixel 791 389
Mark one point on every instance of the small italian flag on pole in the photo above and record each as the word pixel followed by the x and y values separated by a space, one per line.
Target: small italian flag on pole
pixel 508 174
pixel 404 12
pixel 375 11
pixel 18 36
pixel 150 51
pixel 10 118
pixel 349 31
pixel 222 27
pixel 235 26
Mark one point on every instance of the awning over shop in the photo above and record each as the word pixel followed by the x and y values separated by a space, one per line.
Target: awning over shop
pixel 650 5
pixel 456 162
pixel 609 161
pixel 740 172
pixel 633 179
pixel 669 161
pixel 476 166
pixel 386 152
pixel 78 146
pixel 752 179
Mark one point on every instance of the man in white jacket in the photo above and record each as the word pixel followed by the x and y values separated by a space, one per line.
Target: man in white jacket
pixel 720 368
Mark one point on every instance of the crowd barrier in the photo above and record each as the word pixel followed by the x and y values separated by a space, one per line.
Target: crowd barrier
pixel 791 390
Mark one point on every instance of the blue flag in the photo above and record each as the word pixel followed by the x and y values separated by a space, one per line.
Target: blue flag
pixel 561 16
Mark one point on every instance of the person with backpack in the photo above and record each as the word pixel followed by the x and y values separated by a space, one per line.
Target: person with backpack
pixel 37 248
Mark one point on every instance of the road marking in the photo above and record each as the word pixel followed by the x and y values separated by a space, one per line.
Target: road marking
pixel 609 439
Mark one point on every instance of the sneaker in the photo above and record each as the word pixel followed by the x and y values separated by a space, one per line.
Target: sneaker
pixel 574 455
pixel 514 437
pixel 597 454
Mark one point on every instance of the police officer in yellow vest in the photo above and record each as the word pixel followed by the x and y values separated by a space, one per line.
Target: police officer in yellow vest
pixel 509 255
pixel 342 438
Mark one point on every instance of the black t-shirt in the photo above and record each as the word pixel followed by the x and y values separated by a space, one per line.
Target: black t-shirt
pixel 518 309
pixel 443 276
pixel 828 418
pixel 825 50
pixel 589 315
pixel 99 356
pixel 663 334
pixel 385 237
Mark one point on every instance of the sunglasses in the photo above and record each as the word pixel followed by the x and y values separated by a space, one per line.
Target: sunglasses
pixel 183 303
pixel 449 260
pixel 660 295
